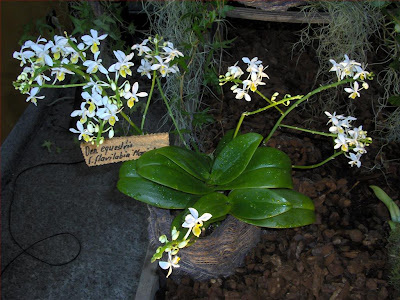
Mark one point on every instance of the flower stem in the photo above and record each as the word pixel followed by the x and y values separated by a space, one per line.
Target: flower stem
pixel 170 112
pixel 58 86
pixel 245 114
pixel 320 163
pixel 308 130
pixel 130 122
pixel 268 100
pixel 302 99
pixel 153 82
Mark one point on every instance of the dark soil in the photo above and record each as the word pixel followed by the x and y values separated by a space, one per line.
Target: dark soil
pixel 343 255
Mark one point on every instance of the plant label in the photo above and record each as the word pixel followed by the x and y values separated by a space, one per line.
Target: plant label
pixel 122 148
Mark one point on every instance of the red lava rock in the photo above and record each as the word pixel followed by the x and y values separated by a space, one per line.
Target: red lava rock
pixel 355 267
pixel 335 269
pixel 275 285
pixel 383 294
pixel 323 251
pixel 232 295
pixel 371 284
pixel 328 233
pixel 355 235
pixel 248 281
pixel 329 259
pixel 344 202
pixel 371 238
pixel 341 184
pixel 351 254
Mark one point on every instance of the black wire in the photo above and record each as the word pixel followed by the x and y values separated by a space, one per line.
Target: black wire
pixel 25 250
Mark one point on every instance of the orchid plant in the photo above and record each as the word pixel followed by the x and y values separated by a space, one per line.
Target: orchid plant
pixel 242 177
pixel 106 91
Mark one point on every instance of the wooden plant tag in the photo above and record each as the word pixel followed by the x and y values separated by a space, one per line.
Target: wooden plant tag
pixel 122 148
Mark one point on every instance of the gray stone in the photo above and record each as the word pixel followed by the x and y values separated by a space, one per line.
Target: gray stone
pixel 57 194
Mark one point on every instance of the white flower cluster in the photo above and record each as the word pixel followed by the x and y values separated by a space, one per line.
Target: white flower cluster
pixel 253 80
pixel 157 55
pixel 351 69
pixel 102 103
pixel 348 137
pixel 194 223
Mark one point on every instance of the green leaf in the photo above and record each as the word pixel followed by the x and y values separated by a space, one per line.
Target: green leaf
pixel 257 203
pixel 223 142
pixel 394 100
pixel 301 211
pixel 268 168
pixel 193 163
pixel 128 169
pixel 216 204
pixel 160 169
pixel 154 194
pixel 394 210
pixel 234 158
pixel 295 217
pixel 261 178
pixel 267 157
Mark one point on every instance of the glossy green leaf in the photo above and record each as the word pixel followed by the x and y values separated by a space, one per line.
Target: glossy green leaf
pixel 257 203
pixel 301 211
pixel 234 158
pixel 261 178
pixel 267 157
pixel 160 169
pixel 154 194
pixel 295 217
pixel 268 168
pixel 223 142
pixel 128 169
pixel 193 163
pixel 216 204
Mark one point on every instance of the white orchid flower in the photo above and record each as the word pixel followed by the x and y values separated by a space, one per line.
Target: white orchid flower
pixel 354 159
pixel 171 263
pixel 172 53
pixel 194 222
pixel 88 109
pixel 142 48
pixel 132 96
pixel 145 68
pixel 252 84
pixel 349 67
pixel 93 40
pixel 42 53
pixel 23 55
pixel 360 73
pixel 252 64
pixel 75 56
pixel 60 73
pixel 240 93
pixel 341 142
pixel 353 91
pixel 83 132
pixel 161 66
pixel 123 65
pixel 94 65
pixel 234 71
pixel 109 113
pixel 59 48
pixel 96 86
pixel 33 95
